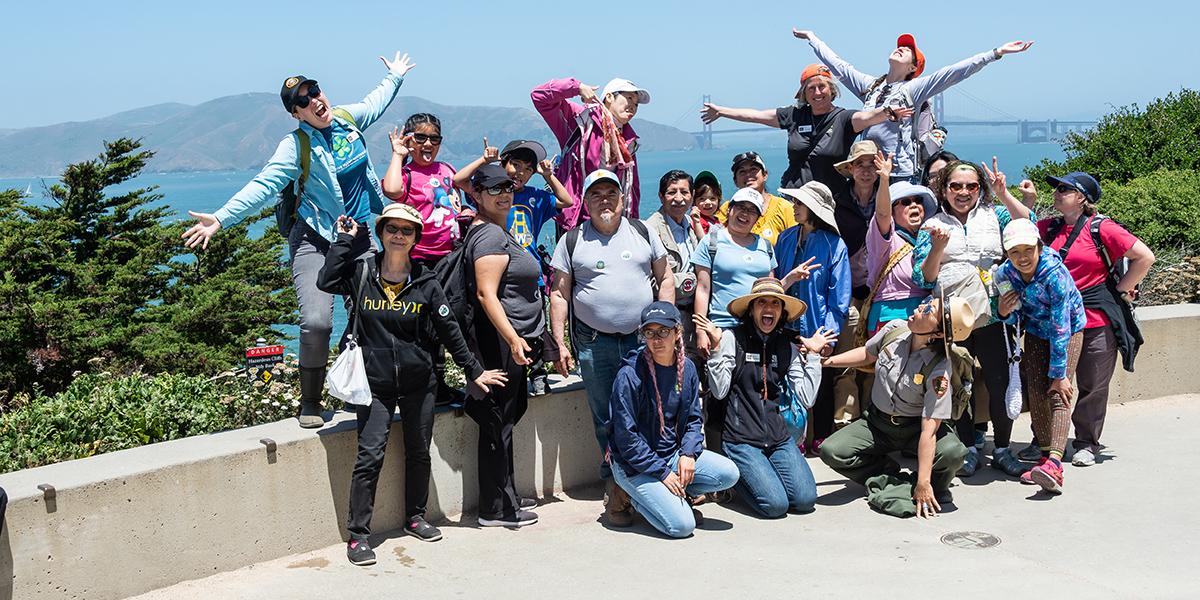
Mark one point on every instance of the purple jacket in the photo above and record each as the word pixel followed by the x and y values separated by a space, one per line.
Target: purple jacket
pixel 552 100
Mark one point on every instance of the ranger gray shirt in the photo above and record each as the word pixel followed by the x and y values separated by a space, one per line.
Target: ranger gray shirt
pixel 900 387
pixel 612 276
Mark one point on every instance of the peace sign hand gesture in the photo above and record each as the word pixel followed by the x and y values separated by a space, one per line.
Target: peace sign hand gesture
pixel 802 271
pixel 997 178
pixel 399 65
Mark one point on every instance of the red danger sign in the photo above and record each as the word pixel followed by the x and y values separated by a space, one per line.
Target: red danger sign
pixel 263 351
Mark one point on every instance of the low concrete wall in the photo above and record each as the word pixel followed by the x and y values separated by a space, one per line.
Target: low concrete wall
pixel 140 519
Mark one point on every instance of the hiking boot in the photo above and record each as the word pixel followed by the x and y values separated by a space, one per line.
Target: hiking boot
pixel 359 553
pixel 312 387
pixel 1031 453
pixel 722 497
pixel 1049 475
pixel 699 518
pixel 1084 457
pixel 617 507
pixel 970 464
pixel 1005 461
pixel 520 519
pixel 419 528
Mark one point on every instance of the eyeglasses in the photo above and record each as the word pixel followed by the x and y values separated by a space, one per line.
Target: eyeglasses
pixel 504 188
pixel 956 186
pixel 421 138
pixel 405 231
pixel 1065 189
pixel 313 91
pixel 911 200
pixel 660 333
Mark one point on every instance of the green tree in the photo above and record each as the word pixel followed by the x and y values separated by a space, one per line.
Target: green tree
pixel 93 278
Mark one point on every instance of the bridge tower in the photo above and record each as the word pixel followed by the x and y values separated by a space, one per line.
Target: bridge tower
pixel 939 109
pixel 704 140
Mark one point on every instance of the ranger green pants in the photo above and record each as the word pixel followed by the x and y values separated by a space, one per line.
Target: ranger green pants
pixel 860 450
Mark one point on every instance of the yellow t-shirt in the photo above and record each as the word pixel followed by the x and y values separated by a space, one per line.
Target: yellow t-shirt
pixel 779 216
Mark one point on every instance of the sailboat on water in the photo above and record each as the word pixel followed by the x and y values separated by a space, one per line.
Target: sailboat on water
pixel 28 193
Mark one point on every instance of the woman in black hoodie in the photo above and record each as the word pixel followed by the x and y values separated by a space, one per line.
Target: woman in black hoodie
pixel 401 317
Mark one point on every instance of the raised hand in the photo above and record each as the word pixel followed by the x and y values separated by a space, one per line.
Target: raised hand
pixel 1028 190
pixel 939 236
pixel 587 93
pixel 710 112
pixel 996 177
pixel 1014 47
pixel 202 231
pixel 347 225
pixel 399 65
pixel 802 271
pixel 492 377
pixel 545 169
pixel 883 165
pixel 399 142
pixel 821 339
pixel 490 153
pixel 802 34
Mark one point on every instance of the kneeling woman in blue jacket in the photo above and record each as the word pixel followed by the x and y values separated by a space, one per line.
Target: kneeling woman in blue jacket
pixel 656 430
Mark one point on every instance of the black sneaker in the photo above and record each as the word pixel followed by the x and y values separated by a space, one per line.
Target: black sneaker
pixel 521 519
pixel 419 528
pixel 944 497
pixel 526 503
pixel 360 553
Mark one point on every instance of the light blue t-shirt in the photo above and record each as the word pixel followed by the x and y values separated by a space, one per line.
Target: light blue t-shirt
pixel 734 273
pixel 350 160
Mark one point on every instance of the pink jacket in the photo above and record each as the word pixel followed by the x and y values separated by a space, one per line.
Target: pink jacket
pixel 552 100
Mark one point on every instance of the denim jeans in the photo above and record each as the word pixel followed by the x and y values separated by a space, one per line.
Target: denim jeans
pixel 774 479
pixel 600 357
pixel 667 512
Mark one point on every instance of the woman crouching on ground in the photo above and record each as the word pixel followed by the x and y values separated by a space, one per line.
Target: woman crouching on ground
pixel 656 430
pixel 1046 303
pixel 752 365
pixel 397 304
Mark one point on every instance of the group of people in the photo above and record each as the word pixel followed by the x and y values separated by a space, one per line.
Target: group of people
pixel 724 337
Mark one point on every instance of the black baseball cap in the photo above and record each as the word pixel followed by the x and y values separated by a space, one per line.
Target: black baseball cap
pixel 490 175
pixel 745 156
pixel 661 313
pixel 538 150
pixel 1082 182
pixel 291 89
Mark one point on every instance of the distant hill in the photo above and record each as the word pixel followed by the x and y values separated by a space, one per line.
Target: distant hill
pixel 240 132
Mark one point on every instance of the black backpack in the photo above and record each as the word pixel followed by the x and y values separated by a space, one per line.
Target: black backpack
pixel 456 274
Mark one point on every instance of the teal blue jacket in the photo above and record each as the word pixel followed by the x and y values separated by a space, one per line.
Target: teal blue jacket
pixel 322 202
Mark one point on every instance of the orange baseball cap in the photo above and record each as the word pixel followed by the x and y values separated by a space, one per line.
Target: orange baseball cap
pixel 906 40
pixel 813 70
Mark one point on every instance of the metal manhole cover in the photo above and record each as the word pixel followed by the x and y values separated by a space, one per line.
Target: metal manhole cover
pixel 970 540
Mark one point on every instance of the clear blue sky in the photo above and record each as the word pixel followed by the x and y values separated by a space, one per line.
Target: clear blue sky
pixel 76 61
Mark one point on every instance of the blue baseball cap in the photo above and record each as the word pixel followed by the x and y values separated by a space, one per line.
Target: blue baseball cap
pixel 661 313
pixel 1082 182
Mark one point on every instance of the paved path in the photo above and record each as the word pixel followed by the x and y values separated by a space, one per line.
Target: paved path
pixel 1122 530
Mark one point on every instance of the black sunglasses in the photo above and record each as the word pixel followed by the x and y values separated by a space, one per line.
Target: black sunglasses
pixel 313 91
pixel 909 201
pixel 394 229
pixel 1065 189
pixel 745 156
pixel 504 188
pixel 421 138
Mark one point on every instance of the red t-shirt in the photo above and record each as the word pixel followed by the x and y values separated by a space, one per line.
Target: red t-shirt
pixel 1084 262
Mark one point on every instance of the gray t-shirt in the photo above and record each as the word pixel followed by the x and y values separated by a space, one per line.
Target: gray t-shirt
pixel 519 293
pixel 612 276
pixel 900 388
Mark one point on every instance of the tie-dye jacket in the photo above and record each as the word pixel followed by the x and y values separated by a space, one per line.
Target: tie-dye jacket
pixel 1051 307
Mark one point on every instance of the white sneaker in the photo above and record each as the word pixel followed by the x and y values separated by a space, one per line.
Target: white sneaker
pixel 1083 458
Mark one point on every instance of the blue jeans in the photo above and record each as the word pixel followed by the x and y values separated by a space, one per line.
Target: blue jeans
pixel 667 512
pixel 600 357
pixel 775 479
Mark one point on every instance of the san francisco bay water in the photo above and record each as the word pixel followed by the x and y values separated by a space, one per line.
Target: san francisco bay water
pixel 207 191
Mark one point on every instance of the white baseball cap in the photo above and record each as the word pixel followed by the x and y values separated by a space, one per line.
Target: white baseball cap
pixel 751 196
pixel 601 175
pixel 624 85
pixel 1020 232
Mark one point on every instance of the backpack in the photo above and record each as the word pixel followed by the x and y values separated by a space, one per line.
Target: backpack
pixel 288 205
pixel 924 143
pixel 794 414
pixel 456 274
pixel 574 156
pixel 712 252
pixel 962 371
pixel 571 239
pixel 1116 270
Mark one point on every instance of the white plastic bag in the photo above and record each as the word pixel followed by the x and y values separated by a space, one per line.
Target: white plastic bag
pixel 347 379
pixel 1013 396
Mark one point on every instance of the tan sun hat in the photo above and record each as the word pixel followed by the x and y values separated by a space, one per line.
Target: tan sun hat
pixel 818 198
pixel 858 150
pixel 767 287
pixel 958 319
pixel 399 210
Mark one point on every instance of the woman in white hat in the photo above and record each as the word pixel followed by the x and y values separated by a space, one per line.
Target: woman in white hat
pixel 396 303
pixel 816 242
pixel 756 364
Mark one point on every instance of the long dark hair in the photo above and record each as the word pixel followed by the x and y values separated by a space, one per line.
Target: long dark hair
pixel 927 176
pixel 944 183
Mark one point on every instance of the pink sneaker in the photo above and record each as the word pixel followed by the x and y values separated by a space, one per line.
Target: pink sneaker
pixel 802 445
pixel 1049 475
pixel 1027 476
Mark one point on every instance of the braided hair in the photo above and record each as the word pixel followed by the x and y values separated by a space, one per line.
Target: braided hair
pixel 679 357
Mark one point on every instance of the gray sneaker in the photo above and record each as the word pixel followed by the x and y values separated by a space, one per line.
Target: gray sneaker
pixel 1005 461
pixel 1084 457
pixel 1031 453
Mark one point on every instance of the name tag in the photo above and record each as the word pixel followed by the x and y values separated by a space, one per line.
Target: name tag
pixel 804 129
pixel 352 137
pixel 753 358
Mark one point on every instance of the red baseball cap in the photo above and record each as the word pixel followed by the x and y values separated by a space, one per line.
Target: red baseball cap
pixel 906 40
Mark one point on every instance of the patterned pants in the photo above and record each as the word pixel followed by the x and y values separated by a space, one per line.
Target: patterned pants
pixel 1051 412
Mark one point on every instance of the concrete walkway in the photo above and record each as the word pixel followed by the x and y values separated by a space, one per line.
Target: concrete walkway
pixel 1123 529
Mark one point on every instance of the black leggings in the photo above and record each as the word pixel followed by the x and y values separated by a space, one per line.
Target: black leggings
pixel 986 344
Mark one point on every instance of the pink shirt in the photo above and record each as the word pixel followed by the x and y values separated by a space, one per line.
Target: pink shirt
pixel 898 284
pixel 1084 262
pixel 430 190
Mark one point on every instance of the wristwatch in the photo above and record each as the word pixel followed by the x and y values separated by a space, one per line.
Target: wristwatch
pixel 890 113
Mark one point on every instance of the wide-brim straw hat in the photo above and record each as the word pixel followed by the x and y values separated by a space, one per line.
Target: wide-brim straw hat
pixel 818 198
pixel 767 287
pixel 857 150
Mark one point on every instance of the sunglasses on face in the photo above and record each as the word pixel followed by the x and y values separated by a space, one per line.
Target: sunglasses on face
pixel 421 138
pixel 397 229
pixel 313 92
pixel 909 201
pixel 1065 189
pixel 504 188
pixel 956 186
pixel 661 333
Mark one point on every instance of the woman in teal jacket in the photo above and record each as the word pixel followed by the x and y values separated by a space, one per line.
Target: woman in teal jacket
pixel 340 180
